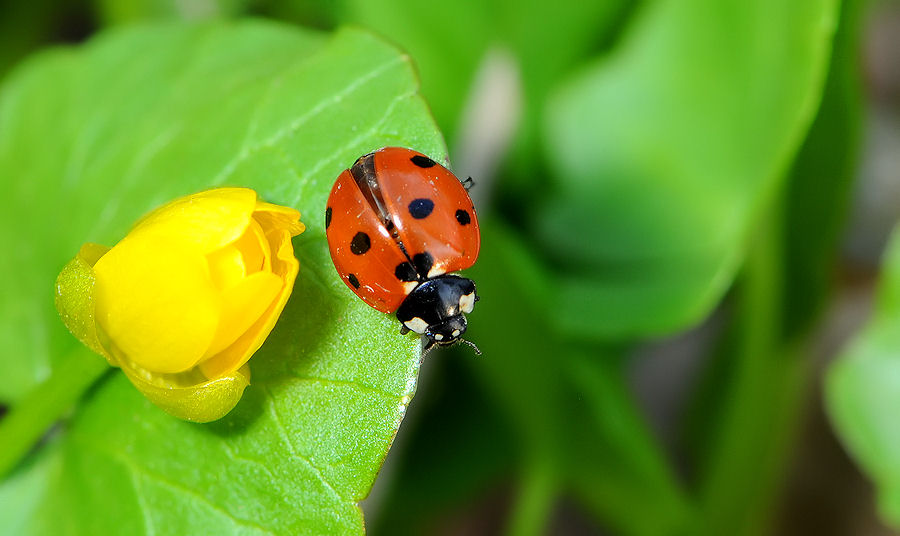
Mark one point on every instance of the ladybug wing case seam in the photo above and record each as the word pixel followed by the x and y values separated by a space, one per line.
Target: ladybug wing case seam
pixel 362 250
pixel 433 213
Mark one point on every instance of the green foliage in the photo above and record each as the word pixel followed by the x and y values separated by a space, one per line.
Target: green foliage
pixel 820 184
pixel 545 38
pixel 113 12
pixel 93 137
pixel 863 391
pixel 26 26
pixel 669 160
pixel 746 406
pixel 666 152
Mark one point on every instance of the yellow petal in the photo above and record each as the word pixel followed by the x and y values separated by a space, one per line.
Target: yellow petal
pixel 156 302
pixel 226 266
pixel 283 260
pixel 242 305
pixel 255 248
pixel 284 265
pixel 248 255
pixel 206 221
pixel 204 401
pixel 276 216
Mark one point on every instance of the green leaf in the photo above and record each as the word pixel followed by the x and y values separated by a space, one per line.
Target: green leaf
pixel 25 26
pixel 862 391
pixel 609 460
pixel 665 151
pixel 745 411
pixel 113 12
pixel 816 196
pixel 545 39
pixel 92 138
pixel 820 184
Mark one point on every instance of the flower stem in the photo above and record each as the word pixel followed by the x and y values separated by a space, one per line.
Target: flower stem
pixel 31 417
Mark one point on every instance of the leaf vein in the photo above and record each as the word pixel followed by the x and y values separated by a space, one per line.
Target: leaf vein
pixel 247 151
pixel 142 472
pixel 149 528
pixel 389 109
pixel 236 457
pixel 349 383
pixel 290 444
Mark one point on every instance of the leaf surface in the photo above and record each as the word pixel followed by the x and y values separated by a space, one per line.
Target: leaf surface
pixel 91 138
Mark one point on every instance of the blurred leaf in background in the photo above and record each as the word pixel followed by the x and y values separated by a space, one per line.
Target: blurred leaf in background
pixel 668 152
pixel 760 387
pixel 112 12
pixel 91 139
pixel 26 26
pixel 450 40
pixel 863 391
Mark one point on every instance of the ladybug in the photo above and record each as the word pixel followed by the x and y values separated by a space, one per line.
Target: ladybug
pixel 397 224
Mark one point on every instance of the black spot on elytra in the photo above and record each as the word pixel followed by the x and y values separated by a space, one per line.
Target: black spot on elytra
pixel 353 280
pixel 327 217
pixel 360 243
pixel 405 272
pixel 420 208
pixel 422 161
pixel 423 263
pixel 463 217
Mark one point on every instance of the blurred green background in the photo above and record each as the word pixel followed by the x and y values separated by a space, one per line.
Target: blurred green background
pixel 684 208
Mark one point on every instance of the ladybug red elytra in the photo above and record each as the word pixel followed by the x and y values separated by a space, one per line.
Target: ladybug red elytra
pixel 397 223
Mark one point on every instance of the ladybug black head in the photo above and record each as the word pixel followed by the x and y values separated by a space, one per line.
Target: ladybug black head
pixel 448 331
pixel 437 309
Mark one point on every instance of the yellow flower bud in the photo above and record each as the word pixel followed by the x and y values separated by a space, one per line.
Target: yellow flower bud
pixel 185 299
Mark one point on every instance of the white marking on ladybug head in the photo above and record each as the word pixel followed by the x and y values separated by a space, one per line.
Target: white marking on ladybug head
pixel 467 303
pixel 435 271
pixel 417 324
pixel 455 333
pixel 438 337
pixel 410 286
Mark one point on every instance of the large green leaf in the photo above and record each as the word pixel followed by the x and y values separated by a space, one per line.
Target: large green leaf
pixel 863 391
pixel 665 151
pixel 745 403
pixel 820 183
pixel 545 39
pixel 93 137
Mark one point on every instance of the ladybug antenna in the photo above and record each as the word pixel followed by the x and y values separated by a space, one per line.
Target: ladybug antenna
pixel 472 344
pixel 429 344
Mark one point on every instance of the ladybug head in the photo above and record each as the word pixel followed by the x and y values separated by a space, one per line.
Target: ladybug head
pixel 447 332
pixel 437 309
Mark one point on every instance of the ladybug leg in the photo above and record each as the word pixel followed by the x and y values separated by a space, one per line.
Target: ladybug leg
pixel 403 329
pixel 468 183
